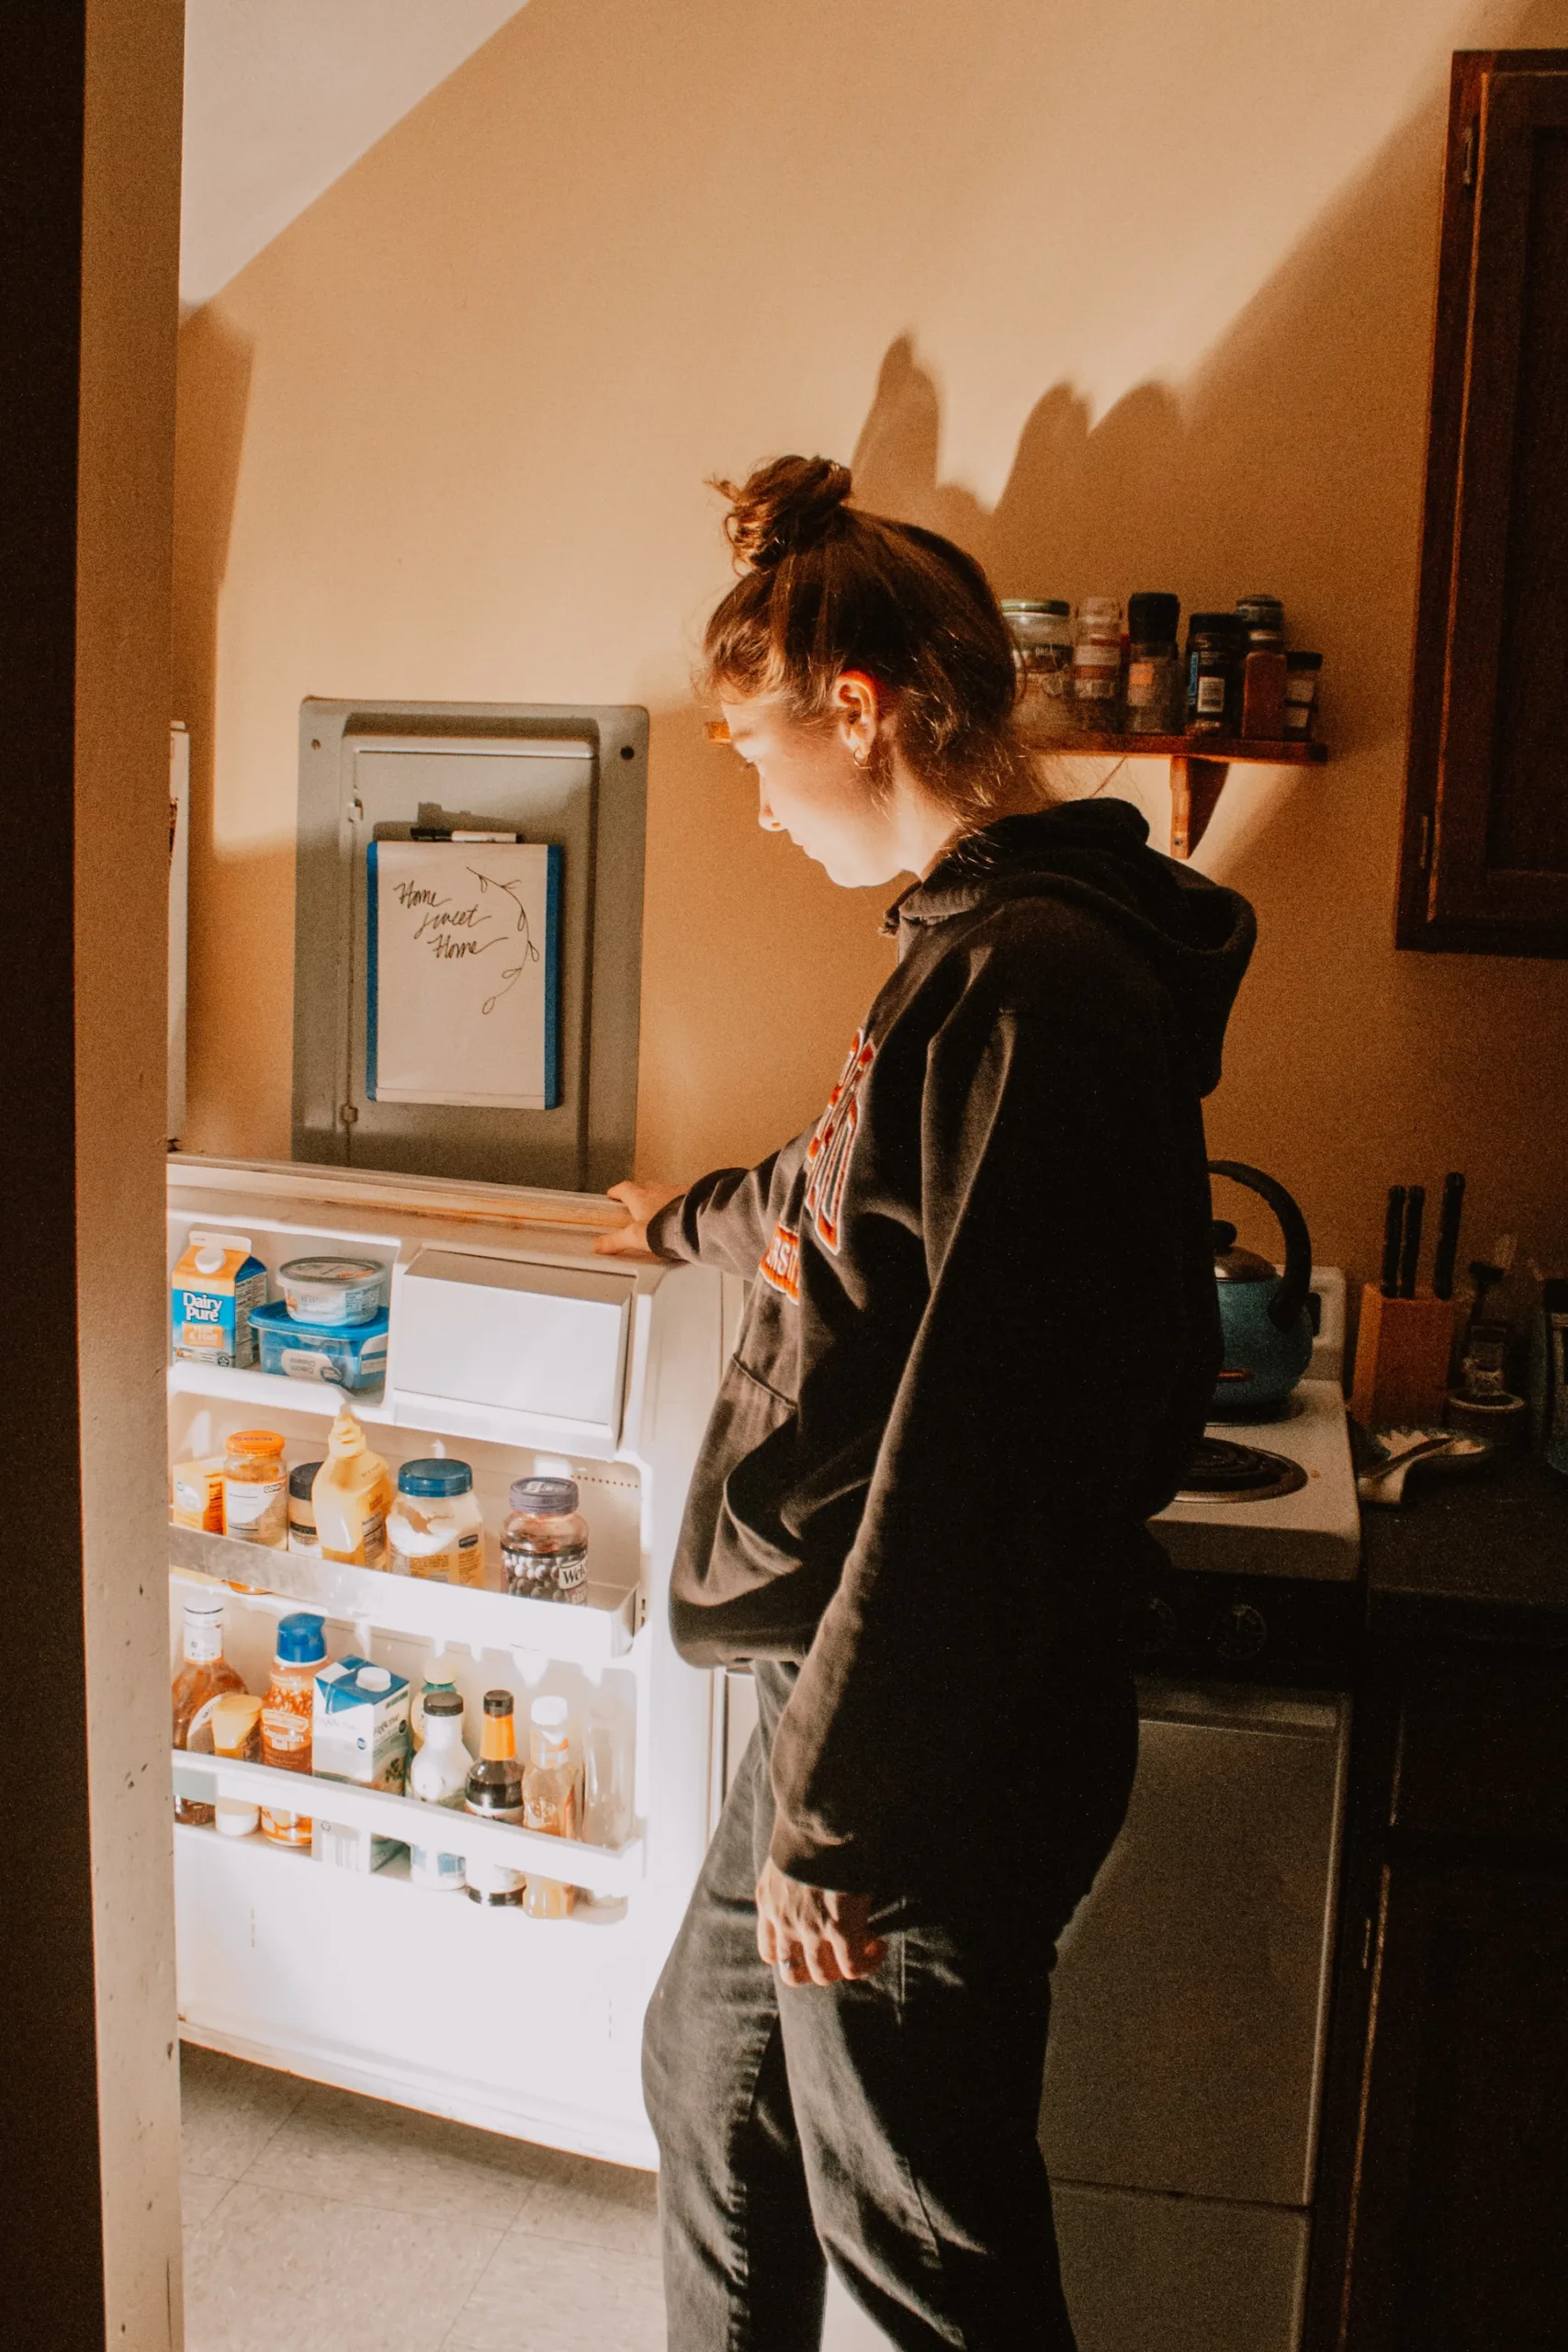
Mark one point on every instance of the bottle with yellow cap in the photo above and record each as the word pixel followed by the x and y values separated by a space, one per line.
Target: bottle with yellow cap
pixel 352 1496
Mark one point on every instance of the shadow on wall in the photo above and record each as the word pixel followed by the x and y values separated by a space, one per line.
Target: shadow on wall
pixel 1293 464
pixel 233 926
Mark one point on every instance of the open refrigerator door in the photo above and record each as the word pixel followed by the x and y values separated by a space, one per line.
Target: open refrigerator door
pixel 512 1347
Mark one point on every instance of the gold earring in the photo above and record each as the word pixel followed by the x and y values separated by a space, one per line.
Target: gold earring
pixel 860 757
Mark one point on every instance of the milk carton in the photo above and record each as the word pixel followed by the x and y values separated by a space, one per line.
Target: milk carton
pixel 212 1291
pixel 359 1731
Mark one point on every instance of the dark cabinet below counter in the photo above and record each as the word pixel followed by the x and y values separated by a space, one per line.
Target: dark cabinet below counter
pixel 1443 2181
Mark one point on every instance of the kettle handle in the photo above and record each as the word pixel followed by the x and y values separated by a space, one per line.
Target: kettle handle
pixel 1285 1308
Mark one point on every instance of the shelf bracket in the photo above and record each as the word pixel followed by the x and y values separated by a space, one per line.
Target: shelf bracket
pixel 1196 784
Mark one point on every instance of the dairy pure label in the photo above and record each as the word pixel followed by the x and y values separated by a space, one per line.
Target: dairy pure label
pixel 212 1291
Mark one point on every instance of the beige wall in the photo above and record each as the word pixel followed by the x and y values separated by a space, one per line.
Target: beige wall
pixel 1123 297
pixel 130 252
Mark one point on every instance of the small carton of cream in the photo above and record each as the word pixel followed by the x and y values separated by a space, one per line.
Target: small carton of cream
pixel 359 1731
pixel 213 1289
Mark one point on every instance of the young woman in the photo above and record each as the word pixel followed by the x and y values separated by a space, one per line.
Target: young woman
pixel 980 1345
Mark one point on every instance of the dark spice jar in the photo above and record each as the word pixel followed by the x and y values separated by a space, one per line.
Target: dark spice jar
pixel 1215 643
pixel 1154 692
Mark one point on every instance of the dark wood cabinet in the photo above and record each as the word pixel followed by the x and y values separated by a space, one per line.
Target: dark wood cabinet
pixel 1444 2195
pixel 1485 846
pixel 1459 2223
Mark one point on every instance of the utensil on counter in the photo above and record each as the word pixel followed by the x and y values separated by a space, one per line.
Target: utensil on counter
pixel 1405 1341
pixel 1410 1254
pixel 1393 1230
pixel 1448 1236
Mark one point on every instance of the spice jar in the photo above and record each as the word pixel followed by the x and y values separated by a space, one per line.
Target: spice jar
pixel 1214 645
pixel 1302 673
pixel 1043 655
pixel 255 1492
pixel 1263 621
pixel 1097 664
pixel 1154 688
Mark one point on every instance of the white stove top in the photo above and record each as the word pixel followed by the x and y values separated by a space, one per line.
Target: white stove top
pixel 1315 1533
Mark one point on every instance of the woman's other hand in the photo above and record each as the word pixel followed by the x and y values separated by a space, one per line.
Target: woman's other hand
pixel 640 1201
pixel 812 1934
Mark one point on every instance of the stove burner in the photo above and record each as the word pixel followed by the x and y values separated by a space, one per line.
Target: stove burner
pixel 1221 1471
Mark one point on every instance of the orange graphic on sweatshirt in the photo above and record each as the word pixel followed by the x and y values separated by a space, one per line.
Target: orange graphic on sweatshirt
pixel 831 1148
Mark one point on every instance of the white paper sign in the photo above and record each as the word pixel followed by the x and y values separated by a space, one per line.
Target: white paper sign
pixel 463 974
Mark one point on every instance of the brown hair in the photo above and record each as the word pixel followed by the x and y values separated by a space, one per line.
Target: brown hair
pixel 827 588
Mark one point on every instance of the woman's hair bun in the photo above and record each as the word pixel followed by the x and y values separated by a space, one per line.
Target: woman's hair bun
pixel 789 504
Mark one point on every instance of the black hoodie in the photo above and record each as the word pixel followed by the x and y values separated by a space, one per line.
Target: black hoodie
pixel 981 1345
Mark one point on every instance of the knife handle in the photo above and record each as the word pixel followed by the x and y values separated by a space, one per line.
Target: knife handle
pixel 1414 1209
pixel 1393 1228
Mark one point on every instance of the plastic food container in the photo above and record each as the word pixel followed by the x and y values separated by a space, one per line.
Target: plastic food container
pixel 346 1356
pixel 333 1291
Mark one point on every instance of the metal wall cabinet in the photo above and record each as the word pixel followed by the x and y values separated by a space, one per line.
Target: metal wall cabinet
pixel 572 773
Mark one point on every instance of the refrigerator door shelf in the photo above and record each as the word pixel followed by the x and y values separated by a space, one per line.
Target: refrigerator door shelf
pixel 500 1843
pixel 273 1392
pixel 590 1634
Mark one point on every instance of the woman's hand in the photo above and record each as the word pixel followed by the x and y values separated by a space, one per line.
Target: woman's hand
pixel 812 1934
pixel 640 1201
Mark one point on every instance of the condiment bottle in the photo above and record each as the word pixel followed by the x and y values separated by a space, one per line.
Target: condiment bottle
pixel 236 1731
pixel 255 1487
pixel 286 1717
pixel 436 1528
pixel 1041 637
pixel 1302 673
pixel 302 1536
pixel 544 1543
pixel 494 1790
pixel 1097 664
pixel 439 1775
pixel 352 1495
pixel 204 1677
pixel 438 1676
pixel 1213 674
pixel 1154 695
pixel 1263 622
pixel 549 1801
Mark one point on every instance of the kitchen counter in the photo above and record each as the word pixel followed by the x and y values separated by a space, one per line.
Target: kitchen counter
pixel 1496 1542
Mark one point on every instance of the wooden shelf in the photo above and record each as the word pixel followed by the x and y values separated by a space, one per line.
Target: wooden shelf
pixel 1199 766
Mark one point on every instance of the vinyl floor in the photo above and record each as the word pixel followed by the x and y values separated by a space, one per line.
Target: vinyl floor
pixel 314 2218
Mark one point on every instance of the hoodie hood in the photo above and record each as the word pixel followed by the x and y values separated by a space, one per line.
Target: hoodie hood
pixel 1095 854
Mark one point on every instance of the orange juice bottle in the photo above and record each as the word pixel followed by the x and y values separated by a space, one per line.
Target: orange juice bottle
pixel 352 1496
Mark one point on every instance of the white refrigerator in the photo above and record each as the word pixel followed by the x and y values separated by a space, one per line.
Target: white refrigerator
pixel 513 1346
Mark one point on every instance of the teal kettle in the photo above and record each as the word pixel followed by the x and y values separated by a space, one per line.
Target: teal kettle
pixel 1264 1315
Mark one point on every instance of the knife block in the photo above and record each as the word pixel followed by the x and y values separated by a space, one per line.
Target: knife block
pixel 1402 1358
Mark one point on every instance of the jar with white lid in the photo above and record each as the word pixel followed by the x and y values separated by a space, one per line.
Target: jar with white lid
pixel 436 1527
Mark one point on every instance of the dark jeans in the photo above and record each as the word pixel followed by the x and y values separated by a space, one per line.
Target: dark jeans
pixel 889 2126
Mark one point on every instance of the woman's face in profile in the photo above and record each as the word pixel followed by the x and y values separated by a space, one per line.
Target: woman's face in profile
pixel 810 786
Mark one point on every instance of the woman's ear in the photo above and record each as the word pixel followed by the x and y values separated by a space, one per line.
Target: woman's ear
pixel 857 707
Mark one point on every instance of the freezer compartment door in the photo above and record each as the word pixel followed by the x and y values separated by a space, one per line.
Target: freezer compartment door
pixel 544 1346
pixel 1190 1999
